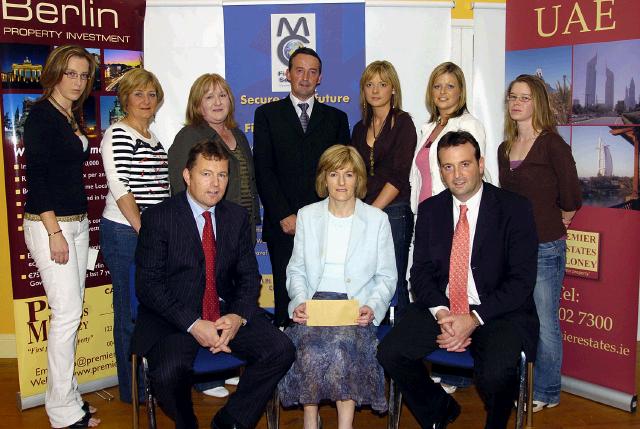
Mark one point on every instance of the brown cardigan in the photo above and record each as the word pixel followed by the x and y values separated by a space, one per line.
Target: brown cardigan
pixel 548 178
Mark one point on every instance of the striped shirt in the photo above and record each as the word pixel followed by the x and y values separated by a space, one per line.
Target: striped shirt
pixel 133 164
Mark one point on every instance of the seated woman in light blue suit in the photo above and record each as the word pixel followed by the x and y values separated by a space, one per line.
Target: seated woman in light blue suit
pixel 343 249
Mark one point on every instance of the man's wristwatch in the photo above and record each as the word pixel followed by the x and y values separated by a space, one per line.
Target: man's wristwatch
pixel 243 321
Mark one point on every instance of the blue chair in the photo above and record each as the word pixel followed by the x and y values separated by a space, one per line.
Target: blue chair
pixel 205 363
pixel 465 360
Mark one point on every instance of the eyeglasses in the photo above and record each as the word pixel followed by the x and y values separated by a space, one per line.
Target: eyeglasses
pixel 75 75
pixel 522 98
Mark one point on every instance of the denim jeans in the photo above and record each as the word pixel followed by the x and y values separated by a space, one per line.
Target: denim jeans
pixel 546 375
pixel 118 244
pixel 64 286
pixel 401 221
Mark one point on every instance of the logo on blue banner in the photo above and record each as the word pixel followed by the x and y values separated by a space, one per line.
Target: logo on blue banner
pixel 289 32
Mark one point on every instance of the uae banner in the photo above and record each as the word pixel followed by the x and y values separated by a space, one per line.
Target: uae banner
pixel 260 38
pixel 112 31
pixel 588 53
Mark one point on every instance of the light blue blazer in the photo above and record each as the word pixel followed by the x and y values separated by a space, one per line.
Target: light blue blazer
pixel 370 268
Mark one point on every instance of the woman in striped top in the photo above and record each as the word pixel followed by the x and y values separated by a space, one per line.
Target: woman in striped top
pixel 135 163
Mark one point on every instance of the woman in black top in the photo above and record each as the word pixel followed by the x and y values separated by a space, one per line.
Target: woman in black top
pixel 56 228
pixel 386 139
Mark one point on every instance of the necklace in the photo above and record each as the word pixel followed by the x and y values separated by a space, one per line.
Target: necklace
pixel 72 121
pixel 373 144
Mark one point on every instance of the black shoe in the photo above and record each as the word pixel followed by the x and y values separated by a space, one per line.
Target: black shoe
pixel 450 414
pixel 222 420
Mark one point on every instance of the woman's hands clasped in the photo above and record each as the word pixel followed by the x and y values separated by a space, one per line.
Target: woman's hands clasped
pixel 366 316
pixel 300 314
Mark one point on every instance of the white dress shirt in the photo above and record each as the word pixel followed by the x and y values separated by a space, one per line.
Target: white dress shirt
pixel 473 208
pixel 310 101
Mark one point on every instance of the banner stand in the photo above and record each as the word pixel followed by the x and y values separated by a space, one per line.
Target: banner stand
pixel 32 401
pixel 604 395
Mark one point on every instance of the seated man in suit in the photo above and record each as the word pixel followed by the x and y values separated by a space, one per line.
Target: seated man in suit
pixel 197 281
pixel 473 289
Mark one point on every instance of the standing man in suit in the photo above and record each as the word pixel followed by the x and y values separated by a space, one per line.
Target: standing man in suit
pixel 197 281
pixel 473 289
pixel 288 138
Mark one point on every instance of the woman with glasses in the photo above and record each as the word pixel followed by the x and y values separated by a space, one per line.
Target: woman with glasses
pixel 386 138
pixel 56 228
pixel 135 164
pixel 535 162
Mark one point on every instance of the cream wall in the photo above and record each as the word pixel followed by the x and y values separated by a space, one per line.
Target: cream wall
pixel 184 38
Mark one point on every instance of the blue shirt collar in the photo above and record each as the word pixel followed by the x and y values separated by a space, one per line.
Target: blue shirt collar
pixel 196 209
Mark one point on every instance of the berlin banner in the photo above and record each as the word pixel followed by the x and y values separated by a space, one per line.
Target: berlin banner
pixel 588 53
pixel 112 31
pixel 258 42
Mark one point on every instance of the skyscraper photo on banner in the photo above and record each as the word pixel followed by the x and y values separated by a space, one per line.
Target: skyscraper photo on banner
pixel 112 32
pixel 588 54
pixel 258 42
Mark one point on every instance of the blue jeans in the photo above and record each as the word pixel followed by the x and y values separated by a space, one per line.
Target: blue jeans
pixel 118 244
pixel 546 375
pixel 401 220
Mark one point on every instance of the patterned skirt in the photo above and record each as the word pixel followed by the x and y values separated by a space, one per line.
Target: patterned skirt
pixel 334 363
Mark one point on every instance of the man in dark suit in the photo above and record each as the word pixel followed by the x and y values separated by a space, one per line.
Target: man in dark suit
pixel 473 289
pixel 288 138
pixel 197 281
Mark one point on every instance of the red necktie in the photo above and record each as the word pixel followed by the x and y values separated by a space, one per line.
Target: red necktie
pixel 210 302
pixel 459 266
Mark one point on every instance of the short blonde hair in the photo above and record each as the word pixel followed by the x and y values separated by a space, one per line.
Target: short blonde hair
pixel 456 71
pixel 387 73
pixel 138 78
pixel 335 158
pixel 199 89
pixel 56 66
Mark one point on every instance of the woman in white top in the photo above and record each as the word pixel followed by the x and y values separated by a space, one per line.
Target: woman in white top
pixel 343 249
pixel 135 163
pixel 446 101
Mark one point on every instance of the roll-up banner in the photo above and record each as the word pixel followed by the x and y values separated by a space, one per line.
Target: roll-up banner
pixel 588 53
pixel 260 38
pixel 112 31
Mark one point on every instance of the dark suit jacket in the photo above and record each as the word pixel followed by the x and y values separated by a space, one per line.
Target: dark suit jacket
pixel 170 269
pixel 286 157
pixel 503 258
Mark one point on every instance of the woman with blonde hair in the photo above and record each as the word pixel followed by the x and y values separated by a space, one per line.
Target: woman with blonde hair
pixel 446 101
pixel 536 162
pixel 135 163
pixel 210 110
pixel 56 228
pixel 386 139
pixel 342 250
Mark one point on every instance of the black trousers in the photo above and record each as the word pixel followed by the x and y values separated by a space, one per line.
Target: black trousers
pixel 280 247
pixel 268 352
pixel 495 347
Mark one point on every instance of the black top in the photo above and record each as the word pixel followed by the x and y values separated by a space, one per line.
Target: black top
pixel 54 160
pixel 392 155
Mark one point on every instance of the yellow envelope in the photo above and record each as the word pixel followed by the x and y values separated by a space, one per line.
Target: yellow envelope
pixel 330 312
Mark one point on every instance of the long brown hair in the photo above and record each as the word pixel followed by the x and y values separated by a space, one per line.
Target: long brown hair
pixel 542 120
pixel 56 66
pixel 387 73
pixel 199 89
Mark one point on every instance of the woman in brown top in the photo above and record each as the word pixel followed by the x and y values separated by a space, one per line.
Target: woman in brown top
pixel 536 162
pixel 386 138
